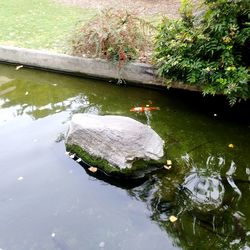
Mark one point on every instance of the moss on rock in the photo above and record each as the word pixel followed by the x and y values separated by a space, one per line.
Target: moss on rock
pixel 139 167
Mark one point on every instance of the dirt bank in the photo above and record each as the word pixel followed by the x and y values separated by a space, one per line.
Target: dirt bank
pixel 142 7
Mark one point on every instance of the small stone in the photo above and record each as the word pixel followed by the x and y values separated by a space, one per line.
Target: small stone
pixel 92 169
pixel 172 218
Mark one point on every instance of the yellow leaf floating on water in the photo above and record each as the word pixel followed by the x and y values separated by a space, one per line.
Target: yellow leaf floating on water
pixel 168 165
pixel 230 145
pixel 172 218
pixel 92 169
pixel 169 162
pixel 19 67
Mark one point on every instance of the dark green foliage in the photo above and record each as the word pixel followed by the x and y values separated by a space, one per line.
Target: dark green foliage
pixel 210 50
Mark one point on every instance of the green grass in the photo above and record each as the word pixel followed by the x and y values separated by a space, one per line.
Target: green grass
pixel 39 24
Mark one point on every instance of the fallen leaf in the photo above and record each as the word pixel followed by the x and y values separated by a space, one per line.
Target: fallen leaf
pixel 167 167
pixel 172 218
pixel 92 169
pixel 19 67
pixel 169 162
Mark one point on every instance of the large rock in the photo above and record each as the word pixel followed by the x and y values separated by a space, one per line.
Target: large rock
pixel 118 140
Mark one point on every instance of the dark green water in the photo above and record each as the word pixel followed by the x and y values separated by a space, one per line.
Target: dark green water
pixel 48 201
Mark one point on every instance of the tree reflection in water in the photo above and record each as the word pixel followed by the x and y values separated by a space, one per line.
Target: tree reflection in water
pixel 204 203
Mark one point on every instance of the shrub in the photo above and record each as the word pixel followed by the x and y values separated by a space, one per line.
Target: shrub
pixel 211 51
pixel 113 35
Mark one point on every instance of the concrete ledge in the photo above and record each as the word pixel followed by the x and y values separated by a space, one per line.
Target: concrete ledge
pixel 138 73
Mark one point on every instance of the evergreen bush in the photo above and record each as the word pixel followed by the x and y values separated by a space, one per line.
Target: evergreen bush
pixel 210 50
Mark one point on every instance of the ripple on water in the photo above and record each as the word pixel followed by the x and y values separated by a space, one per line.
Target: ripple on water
pixel 204 192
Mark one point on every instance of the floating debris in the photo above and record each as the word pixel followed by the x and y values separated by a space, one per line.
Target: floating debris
pixel 230 145
pixel 53 235
pixel 173 219
pixel 20 178
pixel 19 67
pixel 169 162
pixel 92 169
pixel 167 167
pixel 215 115
pixel 79 160
pixel 27 92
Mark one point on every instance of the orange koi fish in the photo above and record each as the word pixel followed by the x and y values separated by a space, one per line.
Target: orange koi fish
pixel 143 109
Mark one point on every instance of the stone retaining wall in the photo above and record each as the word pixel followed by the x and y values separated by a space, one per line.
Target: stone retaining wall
pixel 137 73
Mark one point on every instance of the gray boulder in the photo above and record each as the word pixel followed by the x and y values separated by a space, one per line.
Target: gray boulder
pixel 116 139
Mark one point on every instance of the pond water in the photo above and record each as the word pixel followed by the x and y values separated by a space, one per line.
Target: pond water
pixel 49 202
